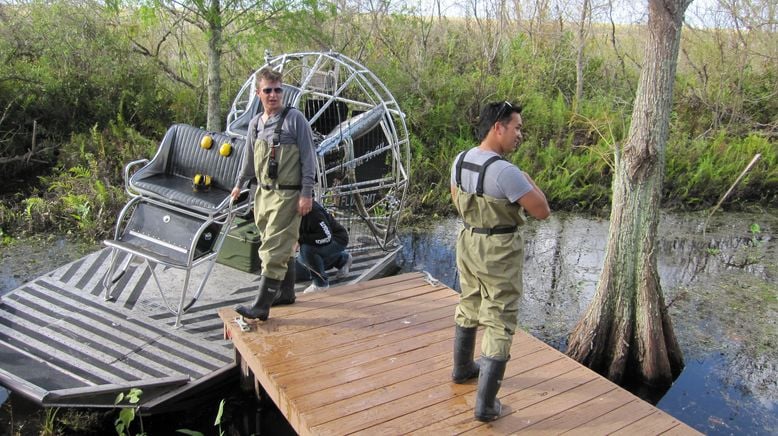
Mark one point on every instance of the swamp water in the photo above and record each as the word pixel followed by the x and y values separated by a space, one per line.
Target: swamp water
pixel 722 288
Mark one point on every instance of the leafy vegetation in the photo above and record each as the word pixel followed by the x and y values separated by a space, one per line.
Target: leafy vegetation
pixel 87 87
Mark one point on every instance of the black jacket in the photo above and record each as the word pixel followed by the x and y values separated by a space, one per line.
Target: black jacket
pixel 319 227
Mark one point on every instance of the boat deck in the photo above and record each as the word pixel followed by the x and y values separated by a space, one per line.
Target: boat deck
pixel 375 358
pixel 63 344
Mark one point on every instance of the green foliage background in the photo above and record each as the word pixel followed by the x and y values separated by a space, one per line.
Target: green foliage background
pixel 82 94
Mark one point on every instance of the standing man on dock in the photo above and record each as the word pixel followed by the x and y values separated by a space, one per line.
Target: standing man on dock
pixel 279 153
pixel 489 193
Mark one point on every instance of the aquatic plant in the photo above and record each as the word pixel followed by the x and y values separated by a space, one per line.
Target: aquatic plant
pixel 127 414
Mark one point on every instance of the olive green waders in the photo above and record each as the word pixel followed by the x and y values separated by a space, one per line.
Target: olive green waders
pixel 278 223
pixel 490 256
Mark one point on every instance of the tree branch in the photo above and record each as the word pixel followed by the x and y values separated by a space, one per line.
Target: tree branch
pixel 140 49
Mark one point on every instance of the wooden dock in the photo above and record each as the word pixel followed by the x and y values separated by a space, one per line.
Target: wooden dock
pixel 375 358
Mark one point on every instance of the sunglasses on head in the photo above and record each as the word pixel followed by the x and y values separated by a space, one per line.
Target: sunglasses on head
pixel 268 91
pixel 505 107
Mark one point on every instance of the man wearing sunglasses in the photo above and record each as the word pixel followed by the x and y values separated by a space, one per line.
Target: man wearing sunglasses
pixel 491 195
pixel 280 155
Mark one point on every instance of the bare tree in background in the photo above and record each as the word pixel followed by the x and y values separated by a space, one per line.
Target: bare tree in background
pixel 744 37
pixel 212 18
pixel 626 332
pixel 583 25
pixel 490 18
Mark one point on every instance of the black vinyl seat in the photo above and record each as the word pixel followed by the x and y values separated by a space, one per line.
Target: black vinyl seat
pixel 169 175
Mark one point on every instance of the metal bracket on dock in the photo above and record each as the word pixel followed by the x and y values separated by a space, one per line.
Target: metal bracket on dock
pixel 429 279
pixel 242 324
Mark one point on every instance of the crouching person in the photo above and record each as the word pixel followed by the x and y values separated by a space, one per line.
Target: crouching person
pixel 323 243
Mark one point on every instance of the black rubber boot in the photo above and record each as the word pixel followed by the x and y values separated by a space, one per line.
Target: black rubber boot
pixel 464 346
pixel 286 296
pixel 487 406
pixel 268 289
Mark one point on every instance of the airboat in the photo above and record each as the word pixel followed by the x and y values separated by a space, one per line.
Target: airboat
pixel 124 317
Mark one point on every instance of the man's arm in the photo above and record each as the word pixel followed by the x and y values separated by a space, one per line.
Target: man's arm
pixel 307 163
pixel 248 158
pixel 534 201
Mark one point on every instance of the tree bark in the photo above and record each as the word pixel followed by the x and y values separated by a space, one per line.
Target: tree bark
pixel 214 119
pixel 579 56
pixel 626 333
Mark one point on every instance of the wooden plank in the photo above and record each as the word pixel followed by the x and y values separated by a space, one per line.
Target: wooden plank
pixel 516 418
pixel 432 322
pixel 530 367
pixel 315 332
pixel 615 419
pixel 327 340
pixel 350 368
pixel 680 429
pixel 582 413
pixel 307 313
pixel 422 391
pixel 513 399
pixel 655 423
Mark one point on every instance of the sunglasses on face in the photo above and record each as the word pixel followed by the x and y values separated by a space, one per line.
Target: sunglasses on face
pixel 269 91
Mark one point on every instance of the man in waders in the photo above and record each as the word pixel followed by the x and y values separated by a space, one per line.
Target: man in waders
pixel 489 193
pixel 280 153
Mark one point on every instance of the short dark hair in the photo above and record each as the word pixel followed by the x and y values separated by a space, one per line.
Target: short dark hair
pixel 270 75
pixel 499 111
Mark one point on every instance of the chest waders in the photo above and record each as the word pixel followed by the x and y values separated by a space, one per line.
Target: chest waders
pixel 490 256
pixel 279 173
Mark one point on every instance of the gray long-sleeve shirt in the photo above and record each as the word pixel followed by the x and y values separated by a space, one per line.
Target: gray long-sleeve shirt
pixel 295 130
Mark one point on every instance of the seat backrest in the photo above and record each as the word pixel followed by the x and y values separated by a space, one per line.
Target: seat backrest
pixel 291 94
pixel 186 157
pixel 240 125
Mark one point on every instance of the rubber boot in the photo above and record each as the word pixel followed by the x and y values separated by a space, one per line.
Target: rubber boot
pixel 260 308
pixel 464 346
pixel 487 406
pixel 286 296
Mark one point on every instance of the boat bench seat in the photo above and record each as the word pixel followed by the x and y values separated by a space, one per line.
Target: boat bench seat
pixel 167 221
pixel 169 176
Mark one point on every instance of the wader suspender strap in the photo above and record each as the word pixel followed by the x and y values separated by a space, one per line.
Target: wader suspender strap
pixel 277 132
pixel 481 169
pixel 276 143
pixel 479 190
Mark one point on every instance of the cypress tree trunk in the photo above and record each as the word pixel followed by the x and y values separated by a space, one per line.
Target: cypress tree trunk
pixel 626 330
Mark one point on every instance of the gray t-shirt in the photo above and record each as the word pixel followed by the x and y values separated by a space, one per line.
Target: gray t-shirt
pixel 501 180
pixel 295 130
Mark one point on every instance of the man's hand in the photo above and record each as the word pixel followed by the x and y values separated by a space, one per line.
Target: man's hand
pixel 235 193
pixel 304 205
